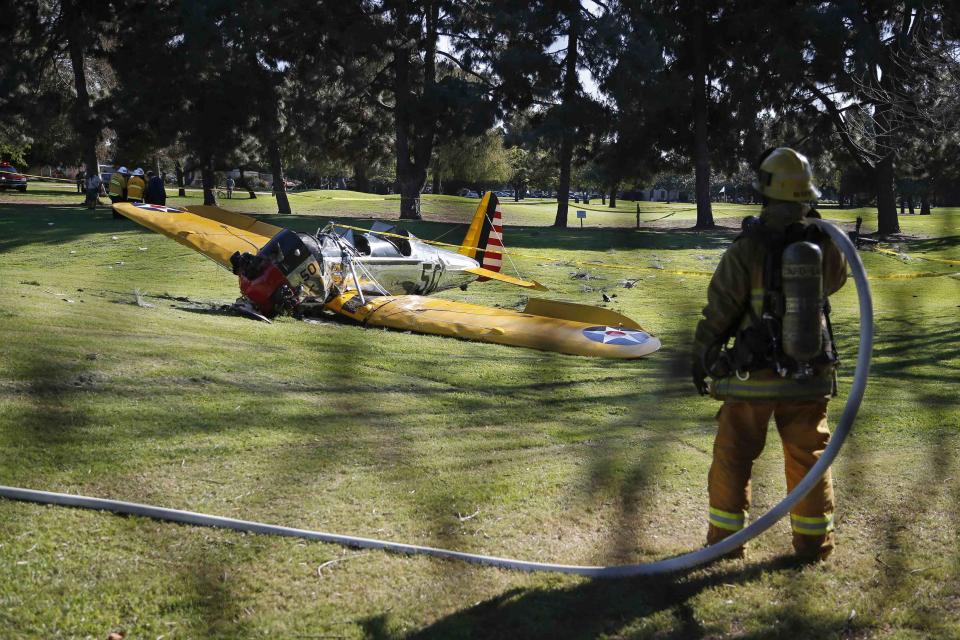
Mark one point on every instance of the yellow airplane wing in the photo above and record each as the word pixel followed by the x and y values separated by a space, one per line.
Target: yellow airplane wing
pixel 546 325
pixel 214 232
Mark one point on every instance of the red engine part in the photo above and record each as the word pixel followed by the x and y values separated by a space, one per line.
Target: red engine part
pixel 260 290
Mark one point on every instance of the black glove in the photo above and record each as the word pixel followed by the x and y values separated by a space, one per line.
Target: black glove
pixel 699 374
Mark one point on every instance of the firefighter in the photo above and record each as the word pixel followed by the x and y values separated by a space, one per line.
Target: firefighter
pixel 118 187
pixel 135 186
pixel 769 295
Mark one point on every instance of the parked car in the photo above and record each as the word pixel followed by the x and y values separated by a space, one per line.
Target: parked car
pixel 10 178
pixel 467 193
pixel 106 170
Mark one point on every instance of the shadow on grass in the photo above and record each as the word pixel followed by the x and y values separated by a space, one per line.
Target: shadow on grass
pixel 52 428
pixel 600 607
pixel 23 225
pixel 934 244
pixel 904 351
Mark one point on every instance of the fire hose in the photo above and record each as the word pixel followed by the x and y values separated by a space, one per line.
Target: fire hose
pixel 668 565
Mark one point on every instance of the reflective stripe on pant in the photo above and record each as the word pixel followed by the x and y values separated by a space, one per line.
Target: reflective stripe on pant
pixel 740 439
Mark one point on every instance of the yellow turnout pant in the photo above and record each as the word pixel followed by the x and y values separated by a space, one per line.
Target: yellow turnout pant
pixel 740 438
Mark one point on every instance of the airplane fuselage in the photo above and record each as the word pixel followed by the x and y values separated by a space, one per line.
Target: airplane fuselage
pixel 331 263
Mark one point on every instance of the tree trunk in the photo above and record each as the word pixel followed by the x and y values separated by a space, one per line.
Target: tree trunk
pixel 887 221
pixel 209 195
pixel 613 194
pixel 279 184
pixel 411 181
pixel 903 205
pixel 925 204
pixel 414 135
pixel 86 125
pixel 360 180
pixel 910 204
pixel 243 184
pixel 437 184
pixel 181 187
pixel 571 82
pixel 701 146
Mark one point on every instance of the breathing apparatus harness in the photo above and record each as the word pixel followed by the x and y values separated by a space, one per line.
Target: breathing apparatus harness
pixel 792 335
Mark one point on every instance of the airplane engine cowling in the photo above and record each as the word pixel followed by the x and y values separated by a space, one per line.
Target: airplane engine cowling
pixel 261 290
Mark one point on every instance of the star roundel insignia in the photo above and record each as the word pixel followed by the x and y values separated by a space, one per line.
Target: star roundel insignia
pixel 616 335
pixel 157 207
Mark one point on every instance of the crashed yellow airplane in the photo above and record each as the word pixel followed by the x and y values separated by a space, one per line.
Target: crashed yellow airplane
pixel 381 277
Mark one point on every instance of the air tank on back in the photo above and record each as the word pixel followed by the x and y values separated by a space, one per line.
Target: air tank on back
pixel 802 278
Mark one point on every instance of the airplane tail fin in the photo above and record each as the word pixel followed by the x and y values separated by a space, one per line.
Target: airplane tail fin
pixel 484 239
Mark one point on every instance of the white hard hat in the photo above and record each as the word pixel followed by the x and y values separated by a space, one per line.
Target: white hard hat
pixel 138 171
pixel 123 170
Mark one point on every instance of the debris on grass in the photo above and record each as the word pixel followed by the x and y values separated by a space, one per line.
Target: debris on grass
pixel 469 517
pixel 32 283
pixel 139 301
pixel 583 275
pixel 330 563
pixel 628 283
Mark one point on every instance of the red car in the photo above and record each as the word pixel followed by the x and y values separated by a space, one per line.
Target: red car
pixel 10 178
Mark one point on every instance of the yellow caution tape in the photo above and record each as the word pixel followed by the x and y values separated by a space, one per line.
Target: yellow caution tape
pixel 602 265
pixel 621 267
pixel 29 175
pixel 911 276
pixel 918 257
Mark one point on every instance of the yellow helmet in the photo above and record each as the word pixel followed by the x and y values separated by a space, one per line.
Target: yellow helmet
pixel 786 175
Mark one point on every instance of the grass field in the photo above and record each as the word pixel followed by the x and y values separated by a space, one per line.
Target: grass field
pixel 391 435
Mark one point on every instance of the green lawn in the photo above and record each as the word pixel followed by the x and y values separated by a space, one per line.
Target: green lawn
pixel 391 435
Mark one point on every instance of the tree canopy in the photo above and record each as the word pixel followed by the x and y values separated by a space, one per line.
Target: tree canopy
pixel 535 93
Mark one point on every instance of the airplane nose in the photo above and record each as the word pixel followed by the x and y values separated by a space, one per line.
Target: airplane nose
pixel 454 270
pixel 457 262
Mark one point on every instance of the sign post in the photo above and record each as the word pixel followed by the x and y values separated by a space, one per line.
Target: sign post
pixel 581 214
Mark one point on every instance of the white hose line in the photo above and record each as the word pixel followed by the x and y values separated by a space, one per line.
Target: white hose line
pixel 667 565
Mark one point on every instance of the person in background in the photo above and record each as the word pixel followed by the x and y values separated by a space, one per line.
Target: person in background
pixel 93 185
pixel 230 185
pixel 81 179
pixel 135 186
pixel 154 193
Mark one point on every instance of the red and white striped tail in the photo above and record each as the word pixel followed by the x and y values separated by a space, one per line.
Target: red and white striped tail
pixel 493 252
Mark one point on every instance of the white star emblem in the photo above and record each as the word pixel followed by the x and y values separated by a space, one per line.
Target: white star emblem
pixel 616 335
